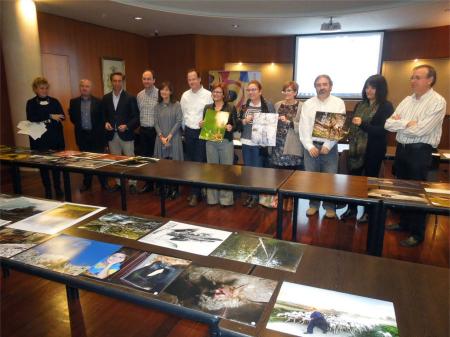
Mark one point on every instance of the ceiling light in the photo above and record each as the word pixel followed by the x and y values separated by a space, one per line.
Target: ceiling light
pixel 235 26
pixel 330 26
pixel 138 18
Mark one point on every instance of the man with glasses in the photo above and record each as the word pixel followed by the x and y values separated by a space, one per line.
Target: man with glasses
pixel 418 123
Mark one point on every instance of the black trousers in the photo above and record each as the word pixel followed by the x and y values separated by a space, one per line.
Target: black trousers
pixel 412 162
pixel 147 139
pixel 88 142
pixel 195 151
pixel 45 177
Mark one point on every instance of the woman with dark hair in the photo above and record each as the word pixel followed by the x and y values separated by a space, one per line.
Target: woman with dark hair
pixel 367 135
pixel 254 155
pixel 168 118
pixel 45 109
pixel 221 151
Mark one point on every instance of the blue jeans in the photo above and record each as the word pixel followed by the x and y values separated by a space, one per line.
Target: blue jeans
pixel 326 163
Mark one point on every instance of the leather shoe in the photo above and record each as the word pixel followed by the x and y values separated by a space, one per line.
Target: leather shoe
pixel 146 188
pixel 364 218
pixel 247 201
pixel 349 213
pixel 253 202
pixel 194 201
pixel 410 242
pixel 114 188
pixel 133 189
pixel 395 227
pixel 85 188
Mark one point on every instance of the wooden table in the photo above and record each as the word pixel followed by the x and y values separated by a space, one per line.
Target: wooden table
pixel 420 293
pixel 329 187
pixel 230 177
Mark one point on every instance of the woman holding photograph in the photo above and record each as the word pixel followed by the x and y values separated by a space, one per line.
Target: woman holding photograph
pixel 221 151
pixel 168 118
pixel 254 155
pixel 45 109
pixel 367 135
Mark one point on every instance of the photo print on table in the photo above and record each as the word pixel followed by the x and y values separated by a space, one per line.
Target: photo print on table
pixel 230 295
pixel 410 196
pixel 261 251
pixel 300 310
pixel 14 208
pixel 67 254
pixel 186 238
pixel 15 241
pixel 113 263
pixel 154 273
pixel 57 219
pixel 126 226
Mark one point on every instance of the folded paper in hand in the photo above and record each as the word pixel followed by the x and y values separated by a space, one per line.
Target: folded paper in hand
pixel 34 130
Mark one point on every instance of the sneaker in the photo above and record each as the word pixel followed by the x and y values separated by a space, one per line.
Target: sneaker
pixel 330 214
pixel 395 227
pixel 311 211
pixel 410 242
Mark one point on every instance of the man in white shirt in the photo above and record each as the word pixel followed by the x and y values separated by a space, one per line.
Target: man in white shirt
pixel 418 123
pixel 192 103
pixel 321 154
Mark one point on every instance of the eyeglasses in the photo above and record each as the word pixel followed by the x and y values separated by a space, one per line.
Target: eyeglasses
pixel 217 92
pixel 252 90
pixel 287 91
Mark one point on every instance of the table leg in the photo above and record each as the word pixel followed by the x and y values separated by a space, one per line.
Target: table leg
pixel 294 220
pixel 376 228
pixel 77 325
pixel 16 179
pixel 379 239
pixel 280 216
pixel 67 186
pixel 123 194
pixel 162 196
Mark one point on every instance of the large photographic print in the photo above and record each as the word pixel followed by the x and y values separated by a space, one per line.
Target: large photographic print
pixel 57 219
pixel 214 127
pixel 126 226
pixel 261 251
pixel 154 273
pixel 405 195
pixel 67 254
pixel 187 238
pixel 233 296
pixel 18 208
pixel 15 241
pixel 264 129
pixel 330 125
pixel 301 310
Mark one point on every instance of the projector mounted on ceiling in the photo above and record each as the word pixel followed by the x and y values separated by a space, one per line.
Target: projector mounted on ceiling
pixel 330 26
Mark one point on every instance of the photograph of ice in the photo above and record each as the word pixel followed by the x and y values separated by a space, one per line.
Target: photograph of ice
pixel 187 238
pixel 302 311
pixel 14 209
pixel 15 241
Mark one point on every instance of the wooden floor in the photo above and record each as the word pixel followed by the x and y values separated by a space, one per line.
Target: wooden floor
pixel 34 307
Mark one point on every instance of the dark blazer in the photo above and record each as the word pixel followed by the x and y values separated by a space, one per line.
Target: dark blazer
pixel 53 138
pixel 127 113
pixel 97 120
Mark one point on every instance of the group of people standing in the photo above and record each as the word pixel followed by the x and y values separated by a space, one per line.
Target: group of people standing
pixel 163 121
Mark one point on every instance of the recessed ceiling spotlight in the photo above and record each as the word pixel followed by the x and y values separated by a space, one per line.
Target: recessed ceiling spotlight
pixel 138 18
pixel 235 26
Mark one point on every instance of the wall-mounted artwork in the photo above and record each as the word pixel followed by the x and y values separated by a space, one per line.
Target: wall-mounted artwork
pixel 237 82
pixel 109 66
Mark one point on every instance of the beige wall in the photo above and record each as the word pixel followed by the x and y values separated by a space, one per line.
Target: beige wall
pixel 273 76
pixel 397 74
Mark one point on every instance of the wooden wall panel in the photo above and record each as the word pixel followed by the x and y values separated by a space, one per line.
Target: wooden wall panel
pixel 6 127
pixel 171 57
pixel 85 44
pixel 427 43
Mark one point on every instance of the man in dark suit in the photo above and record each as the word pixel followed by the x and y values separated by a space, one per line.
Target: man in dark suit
pixel 86 115
pixel 121 119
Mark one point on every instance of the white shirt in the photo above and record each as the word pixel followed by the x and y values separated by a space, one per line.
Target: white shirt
pixel 192 104
pixel 428 110
pixel 116 99
pixel 308 116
